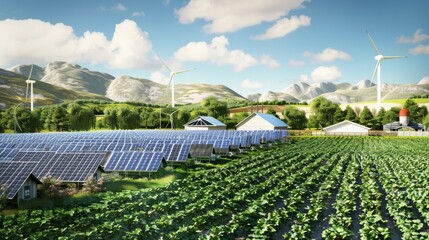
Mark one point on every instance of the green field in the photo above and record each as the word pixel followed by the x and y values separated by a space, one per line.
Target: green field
pixel 313 187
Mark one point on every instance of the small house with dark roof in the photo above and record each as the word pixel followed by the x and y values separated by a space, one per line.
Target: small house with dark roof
pixel 205 123
pixel 261 121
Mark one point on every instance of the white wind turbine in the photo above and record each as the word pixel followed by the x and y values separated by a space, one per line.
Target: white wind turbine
pixel 171 82
pixel 31 82
pixel 379 57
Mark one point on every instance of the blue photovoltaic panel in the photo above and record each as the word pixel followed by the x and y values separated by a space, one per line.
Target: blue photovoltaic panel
pixel 134 161
pixel 113 161
pixel 179 152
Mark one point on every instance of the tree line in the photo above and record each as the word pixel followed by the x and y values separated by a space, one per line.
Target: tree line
pixel 80 116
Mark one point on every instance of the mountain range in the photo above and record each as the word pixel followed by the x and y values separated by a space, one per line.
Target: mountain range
pixel 60 81
pixel 344 93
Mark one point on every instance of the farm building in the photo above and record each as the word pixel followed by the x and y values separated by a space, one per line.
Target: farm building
pixel 261 121
pixel 205 123
pixel 404 123
pixel 346 128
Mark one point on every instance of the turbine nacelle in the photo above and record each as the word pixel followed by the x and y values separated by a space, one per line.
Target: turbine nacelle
pixel 379 57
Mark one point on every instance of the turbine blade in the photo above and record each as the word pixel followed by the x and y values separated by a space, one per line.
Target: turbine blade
pixel 31 71
pixel 169 84
pixel 187 70
pixel 375 70
pixel 394 57
pixel 373 44
pixel 164 64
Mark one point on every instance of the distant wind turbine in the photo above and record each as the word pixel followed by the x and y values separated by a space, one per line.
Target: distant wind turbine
pixel 31 82
pixel 171 82
pixel 379 57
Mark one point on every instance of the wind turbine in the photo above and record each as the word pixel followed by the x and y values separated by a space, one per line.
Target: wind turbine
pixel 31 82
pixel 171 82
pixel 379 57
pixel 171 118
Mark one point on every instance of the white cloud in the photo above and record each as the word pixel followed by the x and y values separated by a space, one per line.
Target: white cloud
pixel 35 41
pixel 229 16
pixel 328 55
pixel 159 77
pixel 217 53
pixel 296 63
pixel 420 49
pixel 119 7
pixel 284 26
pixel 322 73
pixel 248 84
pixel 417 37
pixel 137 14
pixel 269 62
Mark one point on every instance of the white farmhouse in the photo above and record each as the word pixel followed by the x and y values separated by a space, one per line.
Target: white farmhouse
pixel 346 128
pixel 261 121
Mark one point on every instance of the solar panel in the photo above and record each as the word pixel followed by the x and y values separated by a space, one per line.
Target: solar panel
pixel 134 161
pixel 201 150
pixel 179 152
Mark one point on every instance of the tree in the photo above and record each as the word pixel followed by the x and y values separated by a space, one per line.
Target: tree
pixel 214 107
pixel 392 115
pixel 80 119
pixel 366 117
pixel 183 116
pixel 323 112
pixel 379 119
pixel 128 118
pixel 350 114
pixel 416 113
pixel 273 112
pixel 110 118
pixel 295 118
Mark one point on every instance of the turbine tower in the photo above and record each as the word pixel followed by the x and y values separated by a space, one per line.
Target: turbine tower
pixel 379 57
pixel 171 82
pixel 31 82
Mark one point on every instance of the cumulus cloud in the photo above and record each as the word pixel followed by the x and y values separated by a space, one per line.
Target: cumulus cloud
pixel 216 52
pixel 296 63
pixel 420 49
pixel 159 77
pixel 328 55
pixel 416 38
pixel 269 62
pixel 322 73
pixel 229 16
pixel 284 26
pixel 248 84
pixel 33 40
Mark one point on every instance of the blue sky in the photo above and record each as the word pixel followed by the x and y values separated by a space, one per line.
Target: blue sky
pixel 249 45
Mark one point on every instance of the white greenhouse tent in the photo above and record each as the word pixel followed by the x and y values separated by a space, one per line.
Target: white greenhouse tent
pixel 261 121
pixel 346 128
pixel 205 123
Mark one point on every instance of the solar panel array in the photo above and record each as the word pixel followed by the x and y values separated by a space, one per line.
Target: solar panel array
pixel 73 156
